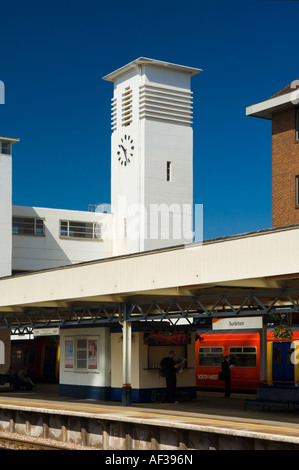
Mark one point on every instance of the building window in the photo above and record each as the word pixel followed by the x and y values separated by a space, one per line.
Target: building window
pixel 168 171
pixel 27 226
pixel 6 148
pixel 297 191
pixel 85 230
pixel 81 353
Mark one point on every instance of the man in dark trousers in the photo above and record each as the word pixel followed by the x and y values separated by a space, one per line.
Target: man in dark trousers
pixel 170 367
pixel 226 369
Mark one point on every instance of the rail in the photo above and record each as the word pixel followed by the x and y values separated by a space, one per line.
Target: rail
pixel 12 441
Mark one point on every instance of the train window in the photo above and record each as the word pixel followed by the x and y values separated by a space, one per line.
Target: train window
pixel 17 354
pixel 212 357
pixel 243 356
pixel 235 350
pixel 30 357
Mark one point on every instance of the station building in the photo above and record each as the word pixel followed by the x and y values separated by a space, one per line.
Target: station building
pixel 151 180
pixel 151 208
pixel 60 265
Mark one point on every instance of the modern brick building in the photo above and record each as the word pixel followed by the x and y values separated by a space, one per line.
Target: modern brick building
pixel 283 109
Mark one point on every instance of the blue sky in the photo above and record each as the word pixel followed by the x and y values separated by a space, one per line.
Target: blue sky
pixel 55 53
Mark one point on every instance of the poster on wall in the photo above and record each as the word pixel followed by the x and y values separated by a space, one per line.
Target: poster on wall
pixel 92 354
pixel 69 353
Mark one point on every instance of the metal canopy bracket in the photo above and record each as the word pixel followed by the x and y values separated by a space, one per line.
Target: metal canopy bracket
pixel 230 304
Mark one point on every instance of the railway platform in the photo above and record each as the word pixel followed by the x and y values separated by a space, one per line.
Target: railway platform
pixel 209 422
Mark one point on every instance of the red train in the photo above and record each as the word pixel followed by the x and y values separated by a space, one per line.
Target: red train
pixel 40 356
pixel 244 348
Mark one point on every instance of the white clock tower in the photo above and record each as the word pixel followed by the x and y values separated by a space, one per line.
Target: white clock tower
pixel 151 155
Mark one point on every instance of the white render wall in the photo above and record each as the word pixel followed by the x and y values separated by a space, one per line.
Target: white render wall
pixel 173 199
pixel 31 253
pixel 126 180
pixel 167 136
pixel 5 214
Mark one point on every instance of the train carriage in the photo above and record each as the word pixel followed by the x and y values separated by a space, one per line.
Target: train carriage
pixel 40 356
pixel 244 348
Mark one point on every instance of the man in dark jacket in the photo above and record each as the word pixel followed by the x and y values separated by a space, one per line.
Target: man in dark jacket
pixel 170 367
pixel 226 369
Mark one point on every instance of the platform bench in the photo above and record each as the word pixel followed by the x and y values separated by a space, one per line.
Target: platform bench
pixel 277 397
pixel 14 382
pixel 4 379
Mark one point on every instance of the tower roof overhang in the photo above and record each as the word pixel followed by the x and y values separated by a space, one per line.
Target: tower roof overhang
pixel 9 139
pixel 191 71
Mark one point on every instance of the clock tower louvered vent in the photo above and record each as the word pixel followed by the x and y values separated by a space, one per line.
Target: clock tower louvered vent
pixel 113 114
pixel 127 107
pixel 165 104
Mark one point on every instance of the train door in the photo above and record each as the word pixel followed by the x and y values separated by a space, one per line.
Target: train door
pixel 283 367
pixel 50 362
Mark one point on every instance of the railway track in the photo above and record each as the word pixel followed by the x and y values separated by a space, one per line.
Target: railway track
pixel 16 442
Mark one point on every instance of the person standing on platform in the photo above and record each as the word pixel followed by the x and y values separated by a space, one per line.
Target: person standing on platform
pixel 169 369
pixel 226 369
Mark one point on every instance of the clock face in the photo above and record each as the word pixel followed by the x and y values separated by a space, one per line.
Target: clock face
pixel 125 150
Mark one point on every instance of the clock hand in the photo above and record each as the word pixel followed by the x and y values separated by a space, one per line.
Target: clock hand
pixel 125 151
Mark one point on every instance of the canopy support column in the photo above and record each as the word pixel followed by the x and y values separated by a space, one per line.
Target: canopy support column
pixel 127 362
pixel 263 355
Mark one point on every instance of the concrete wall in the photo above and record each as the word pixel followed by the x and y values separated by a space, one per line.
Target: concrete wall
pixel 168 204
pixel 167 136
pixel 31 252
pixel 110 429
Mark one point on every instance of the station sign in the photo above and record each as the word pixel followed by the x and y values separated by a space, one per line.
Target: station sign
pixel 239 323
pixel 46 332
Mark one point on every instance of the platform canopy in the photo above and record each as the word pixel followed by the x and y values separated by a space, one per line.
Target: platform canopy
pixel 250 274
